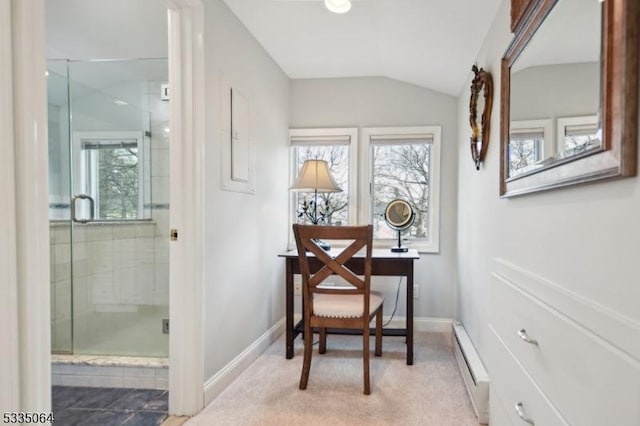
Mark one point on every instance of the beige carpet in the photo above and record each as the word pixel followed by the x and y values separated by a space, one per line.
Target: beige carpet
pixel 430 392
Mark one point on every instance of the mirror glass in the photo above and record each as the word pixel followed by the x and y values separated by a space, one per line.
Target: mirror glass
pixel 399 214
pixel 480 106
pixel 555 91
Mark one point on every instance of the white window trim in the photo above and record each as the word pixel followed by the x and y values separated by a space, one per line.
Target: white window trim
pixel 427 245
pixel 319 133
pixel 81 168
pixel 549 145
pixel 564 122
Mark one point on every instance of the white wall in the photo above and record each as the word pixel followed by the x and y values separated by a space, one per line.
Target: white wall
pixel 111 29
pixel 244 279
pixel 379 101
pixel 585 239
pixel 555 91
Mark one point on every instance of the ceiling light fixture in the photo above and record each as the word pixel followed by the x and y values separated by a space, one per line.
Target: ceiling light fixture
pixel 338 6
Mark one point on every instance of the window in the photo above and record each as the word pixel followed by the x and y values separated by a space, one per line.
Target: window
pixel 111 172
pixel 529 141
pixel 398 162
pixel 404 162
pixel 338 148
pixel 578 134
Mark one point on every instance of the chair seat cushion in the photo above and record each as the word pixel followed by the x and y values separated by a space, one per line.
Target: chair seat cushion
pixel 344 306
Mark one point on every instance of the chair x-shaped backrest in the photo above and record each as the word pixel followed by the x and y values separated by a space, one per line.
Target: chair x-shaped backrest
pixel 360 236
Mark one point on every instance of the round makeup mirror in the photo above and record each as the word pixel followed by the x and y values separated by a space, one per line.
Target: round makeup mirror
pixel 399 216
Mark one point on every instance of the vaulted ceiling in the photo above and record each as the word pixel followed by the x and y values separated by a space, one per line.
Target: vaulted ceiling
pixel 430 43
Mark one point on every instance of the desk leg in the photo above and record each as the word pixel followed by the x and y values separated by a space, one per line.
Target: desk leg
pixel 289 310
pixel 410 313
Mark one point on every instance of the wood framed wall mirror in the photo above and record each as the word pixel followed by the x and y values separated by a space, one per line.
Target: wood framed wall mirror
pixel 569 95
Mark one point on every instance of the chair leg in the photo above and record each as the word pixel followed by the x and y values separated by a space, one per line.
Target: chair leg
pixel 379 332
pixel 322 347
pixel 365 358
pixel 306 364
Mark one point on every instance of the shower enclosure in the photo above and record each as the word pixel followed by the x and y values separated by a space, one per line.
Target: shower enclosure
pixel 109 207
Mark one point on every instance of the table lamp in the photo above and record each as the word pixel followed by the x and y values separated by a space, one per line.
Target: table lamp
pixel 315 177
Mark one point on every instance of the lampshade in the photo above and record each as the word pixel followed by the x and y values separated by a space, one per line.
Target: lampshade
pixel 315 176
pixel 338 6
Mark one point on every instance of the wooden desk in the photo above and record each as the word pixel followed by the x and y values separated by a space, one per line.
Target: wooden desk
pixel 384 262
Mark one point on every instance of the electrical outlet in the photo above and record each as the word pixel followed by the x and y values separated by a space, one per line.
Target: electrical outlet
pixel 297 288
pixel 416 291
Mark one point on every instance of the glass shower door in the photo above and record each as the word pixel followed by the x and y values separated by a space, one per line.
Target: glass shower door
pixel 108 156
pixel 59 207
pixel 120 297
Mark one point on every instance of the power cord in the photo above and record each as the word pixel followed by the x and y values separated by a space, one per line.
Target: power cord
pixel 395 308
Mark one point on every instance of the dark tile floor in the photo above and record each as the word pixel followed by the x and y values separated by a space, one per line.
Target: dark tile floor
pixel 84 406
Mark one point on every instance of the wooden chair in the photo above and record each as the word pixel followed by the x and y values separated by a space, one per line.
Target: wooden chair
pixel 332 307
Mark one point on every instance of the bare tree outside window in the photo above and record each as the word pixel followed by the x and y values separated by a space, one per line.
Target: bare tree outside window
pixel 577 144
pixel 522 154
pixel 117 178
pixel 118 184
pixel 401 171
pixel 333 206
pixel 577 135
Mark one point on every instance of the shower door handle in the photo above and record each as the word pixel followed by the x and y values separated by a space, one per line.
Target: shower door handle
pixel 92 208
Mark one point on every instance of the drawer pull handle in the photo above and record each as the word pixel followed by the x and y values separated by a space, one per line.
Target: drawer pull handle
pixel 520 411
pixel 523 335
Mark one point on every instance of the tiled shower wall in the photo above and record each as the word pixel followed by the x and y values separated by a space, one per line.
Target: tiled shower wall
pixel 120 269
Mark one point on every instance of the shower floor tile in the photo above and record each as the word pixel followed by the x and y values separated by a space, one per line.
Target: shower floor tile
pixel 86 406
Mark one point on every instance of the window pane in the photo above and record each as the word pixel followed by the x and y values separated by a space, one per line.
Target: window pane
pixel 580 138
pixel 333 207
pixel 523 153
pixel 401 171
pixel 118 182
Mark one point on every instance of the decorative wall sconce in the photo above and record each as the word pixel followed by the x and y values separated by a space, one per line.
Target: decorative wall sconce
pixel 480 106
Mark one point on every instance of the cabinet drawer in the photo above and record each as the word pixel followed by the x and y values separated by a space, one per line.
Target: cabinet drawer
pixel 498 414
pixel 589 381
pixel 512 387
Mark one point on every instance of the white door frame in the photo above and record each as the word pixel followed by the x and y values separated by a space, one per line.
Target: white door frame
pixel 24 252
pixel 10 352
pixel 186 85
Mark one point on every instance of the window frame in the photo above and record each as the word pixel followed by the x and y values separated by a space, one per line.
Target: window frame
pixel 548 145
pixel 322 136
pixel 423 245
pixel 584 120
pixel 85 168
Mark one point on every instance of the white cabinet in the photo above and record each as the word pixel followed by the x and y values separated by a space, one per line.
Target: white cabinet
pixel 523 401
pixel 547 366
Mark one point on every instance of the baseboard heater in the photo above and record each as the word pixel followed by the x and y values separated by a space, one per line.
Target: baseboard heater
pixel 475 376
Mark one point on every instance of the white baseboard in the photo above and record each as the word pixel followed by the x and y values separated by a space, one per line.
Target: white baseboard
pixel 433 325
pixel 223 378
pixel 474 374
